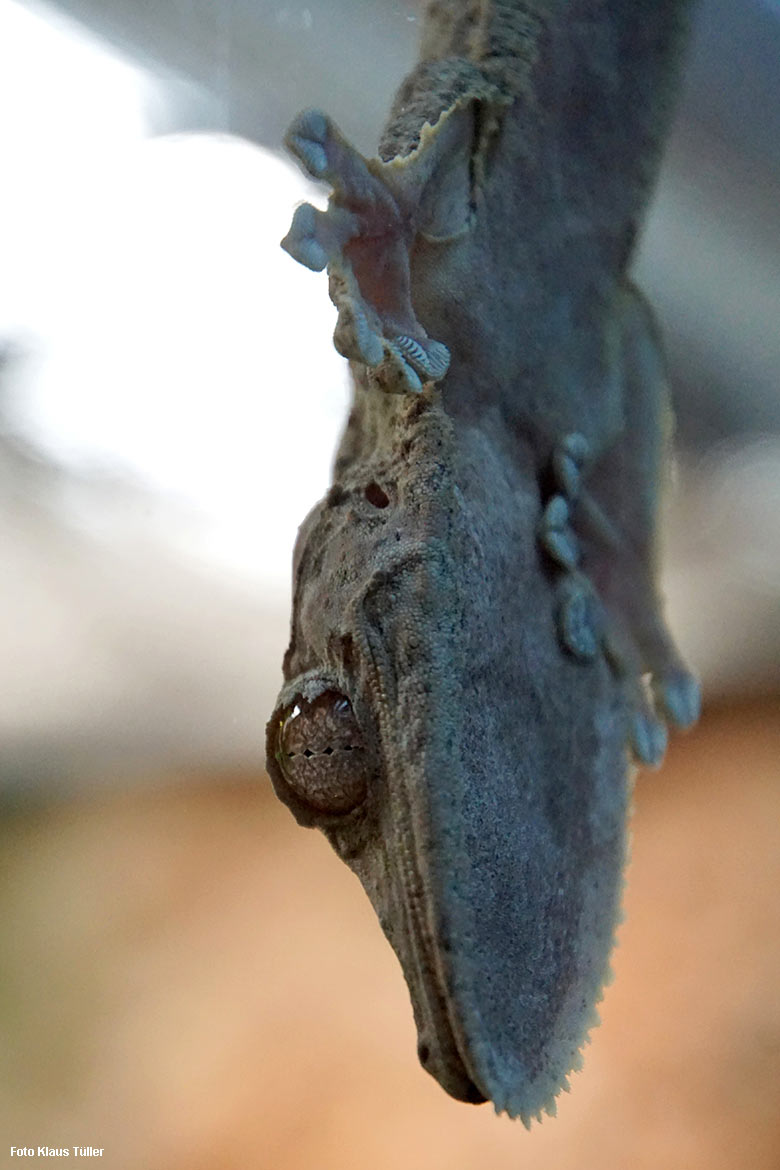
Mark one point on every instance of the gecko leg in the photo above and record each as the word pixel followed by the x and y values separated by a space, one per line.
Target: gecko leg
pixel 605 508
pixel 364 239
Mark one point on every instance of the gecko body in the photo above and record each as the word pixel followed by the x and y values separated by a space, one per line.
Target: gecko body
pixel 475 615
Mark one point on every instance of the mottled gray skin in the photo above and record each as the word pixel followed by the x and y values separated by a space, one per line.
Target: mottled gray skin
pixel 480 580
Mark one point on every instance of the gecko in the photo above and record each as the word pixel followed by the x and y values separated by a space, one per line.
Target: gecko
pixel 478 657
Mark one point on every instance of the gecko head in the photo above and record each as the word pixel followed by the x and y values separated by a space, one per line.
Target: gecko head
pixel 472 777
pixel 328 762
pixel 326 770
pixel 348 738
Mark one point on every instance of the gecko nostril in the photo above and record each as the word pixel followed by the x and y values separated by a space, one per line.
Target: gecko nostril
pixel 423 1053
pixel 377 495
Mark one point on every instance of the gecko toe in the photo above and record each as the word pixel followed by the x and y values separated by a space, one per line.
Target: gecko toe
pixel 567 474
pixel 312 124
pixel 679 697
pixel 301 241
pixel 648 738
pixel 577 447
pixel 568 460
pixel 411 379
pixel 579 619
pixel 398 376
pixel 307 138
pixel 556 513
pixel 313 156
pixel 562 547
pixel 430 359
pixel 354 338
pixel 556 535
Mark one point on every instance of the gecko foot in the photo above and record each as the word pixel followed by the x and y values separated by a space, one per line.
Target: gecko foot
pixel 364 239
pixel 619 617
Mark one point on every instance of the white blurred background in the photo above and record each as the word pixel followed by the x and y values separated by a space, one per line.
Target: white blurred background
pixel 171 398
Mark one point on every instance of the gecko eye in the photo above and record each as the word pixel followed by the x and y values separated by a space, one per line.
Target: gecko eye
pixel 321 755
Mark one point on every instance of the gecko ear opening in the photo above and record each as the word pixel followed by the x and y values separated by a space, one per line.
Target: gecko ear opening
pixel 319 750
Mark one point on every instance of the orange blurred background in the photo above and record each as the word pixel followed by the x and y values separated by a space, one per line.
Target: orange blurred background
pixel 194 983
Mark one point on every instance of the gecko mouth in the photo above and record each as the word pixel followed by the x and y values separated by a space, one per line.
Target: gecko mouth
pixel 453 1077
pixel 438 1049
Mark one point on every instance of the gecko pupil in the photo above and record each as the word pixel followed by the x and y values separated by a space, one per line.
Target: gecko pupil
pixel 320 753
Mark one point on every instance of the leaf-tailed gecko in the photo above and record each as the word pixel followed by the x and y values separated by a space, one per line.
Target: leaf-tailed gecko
pixel 477 647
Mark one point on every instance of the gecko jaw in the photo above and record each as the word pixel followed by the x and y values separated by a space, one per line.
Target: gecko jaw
pixel 439 1050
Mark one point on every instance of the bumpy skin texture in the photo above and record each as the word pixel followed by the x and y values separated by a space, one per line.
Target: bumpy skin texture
pixel 475 597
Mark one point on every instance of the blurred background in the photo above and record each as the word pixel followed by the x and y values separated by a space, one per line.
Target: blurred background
pixel 188 979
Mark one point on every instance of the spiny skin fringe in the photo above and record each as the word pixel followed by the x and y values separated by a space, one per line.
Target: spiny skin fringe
pixel 592 1020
